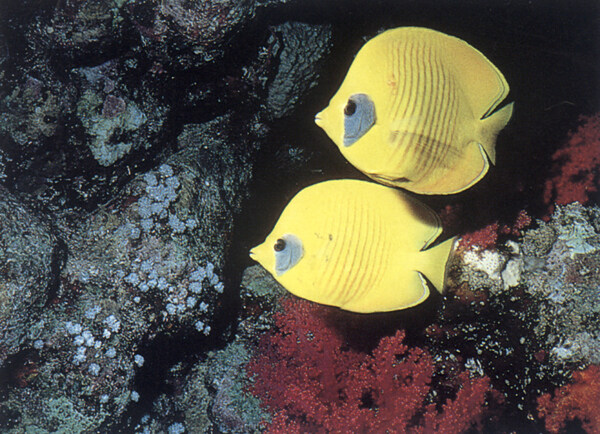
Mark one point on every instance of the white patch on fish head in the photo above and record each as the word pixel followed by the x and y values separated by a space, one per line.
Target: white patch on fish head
pixel 288 251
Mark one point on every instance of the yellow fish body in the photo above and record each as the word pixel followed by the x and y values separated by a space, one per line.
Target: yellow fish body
pixel 357 245
pixel 417 110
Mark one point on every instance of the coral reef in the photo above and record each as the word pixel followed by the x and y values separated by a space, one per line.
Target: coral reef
pixel 212 395
pixel 116 121
pixel 100 85
pixel 556 264
pixel 99 121
pixel 486 238
pixel 146 145
pixel 565 279
pixel 527 306
pixel 184 35
pixel 576 165
pixel 140 268
pixel 575 401
pixel 312 382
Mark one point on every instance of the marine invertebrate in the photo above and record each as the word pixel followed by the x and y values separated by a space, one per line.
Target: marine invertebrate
pixel 487 237
pixel 575 401
pixel 312 382
pixel 484 238
pixel 576 166
pixel 106 121
pixel 162 189
pixel 561 259
pixel 531 304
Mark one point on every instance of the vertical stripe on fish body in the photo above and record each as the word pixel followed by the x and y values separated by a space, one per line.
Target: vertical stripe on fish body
pixel 356 245
pixel 430 99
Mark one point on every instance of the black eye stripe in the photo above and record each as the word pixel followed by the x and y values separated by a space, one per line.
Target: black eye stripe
pixel 279 245
pixel 350 108
pixel 359 117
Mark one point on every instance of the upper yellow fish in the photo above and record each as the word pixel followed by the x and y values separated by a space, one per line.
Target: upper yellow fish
pixel 357 245
pixel 417 110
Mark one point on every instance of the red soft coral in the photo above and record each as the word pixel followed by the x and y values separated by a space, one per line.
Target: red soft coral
pixel 484 238
pixel 487 237
pixel 578 400
pixel 576 165
pixel 312 382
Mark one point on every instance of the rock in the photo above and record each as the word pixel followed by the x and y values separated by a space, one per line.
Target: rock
pixel 300 50
pixel 30 260
pixel 136 127
pixel 117 119
pixel 97 83
pixel 232 409
pixel 67 34
pixel 184 35
pixel 214 394
pixel 565 281
pixel 557 264
pixel 147 268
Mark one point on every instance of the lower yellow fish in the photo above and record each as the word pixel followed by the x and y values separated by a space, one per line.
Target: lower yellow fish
pixel 419 109
pixel 357 245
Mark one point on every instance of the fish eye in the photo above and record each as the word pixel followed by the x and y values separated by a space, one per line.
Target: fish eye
pixel 288 251
pixel 279 245
pixel 359 117
pixel 350 108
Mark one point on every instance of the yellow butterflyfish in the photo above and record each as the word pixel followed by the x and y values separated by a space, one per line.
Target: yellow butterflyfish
pixel 358 245
pixel 418 110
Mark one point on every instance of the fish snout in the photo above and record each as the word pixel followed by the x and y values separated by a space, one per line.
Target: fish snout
pixel 257 253
pixel 320 118
pixel 253 253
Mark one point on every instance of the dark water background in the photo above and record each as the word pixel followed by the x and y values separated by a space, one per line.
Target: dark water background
pixel 548 50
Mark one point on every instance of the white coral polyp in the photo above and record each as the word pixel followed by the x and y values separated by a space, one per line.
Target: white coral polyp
pixel 488 261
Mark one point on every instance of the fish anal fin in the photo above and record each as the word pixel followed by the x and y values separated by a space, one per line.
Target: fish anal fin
pixel 467 171
pixel 407 290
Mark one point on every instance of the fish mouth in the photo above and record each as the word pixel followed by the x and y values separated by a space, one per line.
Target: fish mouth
pixel 319 119
pixel 256 252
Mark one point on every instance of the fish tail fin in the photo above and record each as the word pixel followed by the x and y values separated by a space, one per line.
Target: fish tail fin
pixel 490 126
pixel 433 263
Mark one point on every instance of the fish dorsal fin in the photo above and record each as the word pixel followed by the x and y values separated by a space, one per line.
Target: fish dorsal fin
pixel 484 85
pixel 425 224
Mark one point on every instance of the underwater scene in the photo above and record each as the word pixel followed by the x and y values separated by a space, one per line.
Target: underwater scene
pixel 299 216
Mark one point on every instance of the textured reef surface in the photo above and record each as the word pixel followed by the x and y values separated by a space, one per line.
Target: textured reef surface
pixel 146 145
